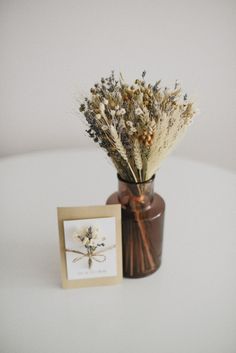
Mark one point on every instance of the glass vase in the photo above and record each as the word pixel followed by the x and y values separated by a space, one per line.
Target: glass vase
pixel 142 226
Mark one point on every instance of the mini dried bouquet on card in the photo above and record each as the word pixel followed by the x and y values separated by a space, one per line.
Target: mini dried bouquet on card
pixel 92 239
pixel 138 125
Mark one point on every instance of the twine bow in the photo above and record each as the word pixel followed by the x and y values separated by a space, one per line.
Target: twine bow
pixel 92 256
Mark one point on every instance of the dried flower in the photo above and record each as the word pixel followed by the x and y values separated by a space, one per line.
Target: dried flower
pixel 90 237
pixel 137 125
pixel 121 111
pixel 138 111
pixel 105 101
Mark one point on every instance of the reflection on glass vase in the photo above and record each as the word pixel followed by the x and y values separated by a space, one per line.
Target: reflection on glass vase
pixel 142 226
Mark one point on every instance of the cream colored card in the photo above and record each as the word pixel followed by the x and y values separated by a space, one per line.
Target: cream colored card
pixel 90 245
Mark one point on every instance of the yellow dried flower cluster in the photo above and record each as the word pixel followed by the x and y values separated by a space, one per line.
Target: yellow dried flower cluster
pixel 136 124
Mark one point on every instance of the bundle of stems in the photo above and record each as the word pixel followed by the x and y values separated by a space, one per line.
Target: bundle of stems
pixel 138 125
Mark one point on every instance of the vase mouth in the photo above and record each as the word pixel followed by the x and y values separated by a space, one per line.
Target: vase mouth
pixel 136 183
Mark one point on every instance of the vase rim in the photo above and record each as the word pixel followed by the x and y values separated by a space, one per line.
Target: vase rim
pixel 136 183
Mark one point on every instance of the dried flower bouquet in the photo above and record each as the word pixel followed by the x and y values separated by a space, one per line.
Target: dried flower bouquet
pixel 137 125
pixel 91 238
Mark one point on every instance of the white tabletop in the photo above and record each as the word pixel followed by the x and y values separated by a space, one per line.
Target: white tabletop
pixel 187 306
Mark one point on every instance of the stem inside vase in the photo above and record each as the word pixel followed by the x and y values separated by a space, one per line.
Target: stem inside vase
pixel 142 226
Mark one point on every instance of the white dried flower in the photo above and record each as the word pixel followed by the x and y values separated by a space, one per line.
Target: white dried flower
pixel 102 107
pixel 113 113
pixel 129 123
pixel 85 241
pixel 105 101
pixel 121 111
pixel 95 231
pixel 78 235
pixel 98 116
pixel 105 127
pixel 138 111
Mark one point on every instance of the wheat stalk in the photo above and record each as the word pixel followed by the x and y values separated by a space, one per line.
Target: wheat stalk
pixel 118 144
pixel 138 157
pixel 155 152
pixel 120 148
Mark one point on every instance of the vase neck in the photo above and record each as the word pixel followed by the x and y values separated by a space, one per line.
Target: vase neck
pixel 135 194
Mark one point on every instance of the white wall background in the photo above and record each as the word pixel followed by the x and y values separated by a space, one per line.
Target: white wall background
pixel 52 51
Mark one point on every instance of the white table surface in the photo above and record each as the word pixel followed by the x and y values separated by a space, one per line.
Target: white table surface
pixel 188 306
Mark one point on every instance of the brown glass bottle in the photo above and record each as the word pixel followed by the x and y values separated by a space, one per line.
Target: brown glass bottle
pixel 142 226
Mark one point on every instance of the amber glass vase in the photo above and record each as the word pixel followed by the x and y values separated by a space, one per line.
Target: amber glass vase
pixel 142 226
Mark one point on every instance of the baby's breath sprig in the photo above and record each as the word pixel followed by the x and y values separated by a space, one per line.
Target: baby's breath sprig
pixel 138 124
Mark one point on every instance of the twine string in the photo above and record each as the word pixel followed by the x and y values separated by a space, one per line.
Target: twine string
pixel 97 256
